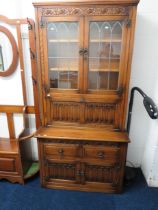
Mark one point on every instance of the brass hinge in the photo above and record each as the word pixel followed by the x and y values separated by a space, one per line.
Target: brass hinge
pixel 120 91
pixel 46 89
pixel 34 81
pixel 42 24
pixel 32 55
pixel 29 24
pixel 128 22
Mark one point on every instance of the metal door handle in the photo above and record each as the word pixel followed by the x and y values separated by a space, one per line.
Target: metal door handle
pixel 61 151
pixel 81 51
pixel 101 154
pixel 85 51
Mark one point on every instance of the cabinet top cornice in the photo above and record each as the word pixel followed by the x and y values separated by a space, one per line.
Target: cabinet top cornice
pixel 86 2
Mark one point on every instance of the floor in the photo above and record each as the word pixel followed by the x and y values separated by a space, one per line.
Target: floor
pixel 136 196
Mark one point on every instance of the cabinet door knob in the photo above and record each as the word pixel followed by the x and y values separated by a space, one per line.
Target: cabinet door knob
pixel 85 51
pixel 81 51
pixel 60 151
pixel 101 154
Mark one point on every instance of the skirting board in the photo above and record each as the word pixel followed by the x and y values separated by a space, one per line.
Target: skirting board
pixel 152 183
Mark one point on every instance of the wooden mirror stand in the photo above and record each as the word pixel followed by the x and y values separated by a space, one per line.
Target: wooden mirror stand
pixel 15 165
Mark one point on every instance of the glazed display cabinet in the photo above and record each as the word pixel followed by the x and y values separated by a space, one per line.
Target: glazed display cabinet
pixel 84 54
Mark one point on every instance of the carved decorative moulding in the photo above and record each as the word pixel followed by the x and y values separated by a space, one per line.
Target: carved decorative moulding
pixel 84 11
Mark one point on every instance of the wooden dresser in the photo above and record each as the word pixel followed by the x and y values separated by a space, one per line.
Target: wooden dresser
pixel 84 58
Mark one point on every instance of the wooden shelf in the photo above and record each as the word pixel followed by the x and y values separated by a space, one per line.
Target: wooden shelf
pixel 117 58
pixel 91 41
pixel 103 70
pixel 8 145
pixel 62 69
pixel 105 40
pixel 52 57
pixel 81 134
pixel 63 40
pixel 91 70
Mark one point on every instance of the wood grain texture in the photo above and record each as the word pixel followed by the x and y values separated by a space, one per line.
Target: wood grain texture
pixel 81 134
pixel 8 146
pixel 79 148
pixel 80 166
pixel 87 2
pixel 33 56
pixel 11 125
pixel 16 109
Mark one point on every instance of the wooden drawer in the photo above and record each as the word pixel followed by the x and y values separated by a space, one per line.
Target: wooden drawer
pixel 101 154
pixel 61 151
pixel 8 164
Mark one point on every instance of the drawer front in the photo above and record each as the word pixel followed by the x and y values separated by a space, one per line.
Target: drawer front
pixel 8 164
pixel 61 151
pixel 101 154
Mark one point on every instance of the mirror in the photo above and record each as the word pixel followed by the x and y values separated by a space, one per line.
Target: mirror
pixel 8 52
pixel 1 59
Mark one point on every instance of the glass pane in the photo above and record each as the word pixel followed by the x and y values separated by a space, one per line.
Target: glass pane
pixel 6 52
pixel 104 54
pixel 63 56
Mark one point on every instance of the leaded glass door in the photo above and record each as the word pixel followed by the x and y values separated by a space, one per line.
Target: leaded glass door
pixel 64 65
pixel 103 62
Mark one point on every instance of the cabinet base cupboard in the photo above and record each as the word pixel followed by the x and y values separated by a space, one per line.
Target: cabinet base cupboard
pixel 84 59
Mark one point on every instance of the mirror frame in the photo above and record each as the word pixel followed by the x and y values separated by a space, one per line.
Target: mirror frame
pixel 15 58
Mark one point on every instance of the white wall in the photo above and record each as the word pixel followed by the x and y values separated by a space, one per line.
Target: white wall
pixel 10 87
pixel 143 149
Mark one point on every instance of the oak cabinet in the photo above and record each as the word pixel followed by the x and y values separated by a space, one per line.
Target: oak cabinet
pixel 82 162
pixel 84 51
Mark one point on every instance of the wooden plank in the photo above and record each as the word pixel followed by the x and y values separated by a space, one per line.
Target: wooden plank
pixel 11 125
pixel 98 2
pixel 39 66
pixel 85 98
pixel 129 52
pixel 82 134
pixel 21 64
pixel 33 56
pixel 13 21
pixel 16 109
pixel 8 146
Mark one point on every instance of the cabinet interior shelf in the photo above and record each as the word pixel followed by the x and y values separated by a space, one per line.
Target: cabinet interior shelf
pixel 91 70
pixel 53 57
pixel 105 40
pixel 62 69
pixel 103 70
pixel 98 58
pixel 91 41
pixel 62 40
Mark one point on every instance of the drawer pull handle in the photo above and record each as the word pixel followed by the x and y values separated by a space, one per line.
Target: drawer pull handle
pixel 61 151
pixel 101 154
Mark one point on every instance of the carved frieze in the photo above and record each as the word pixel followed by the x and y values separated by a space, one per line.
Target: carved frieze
pixel 85 11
